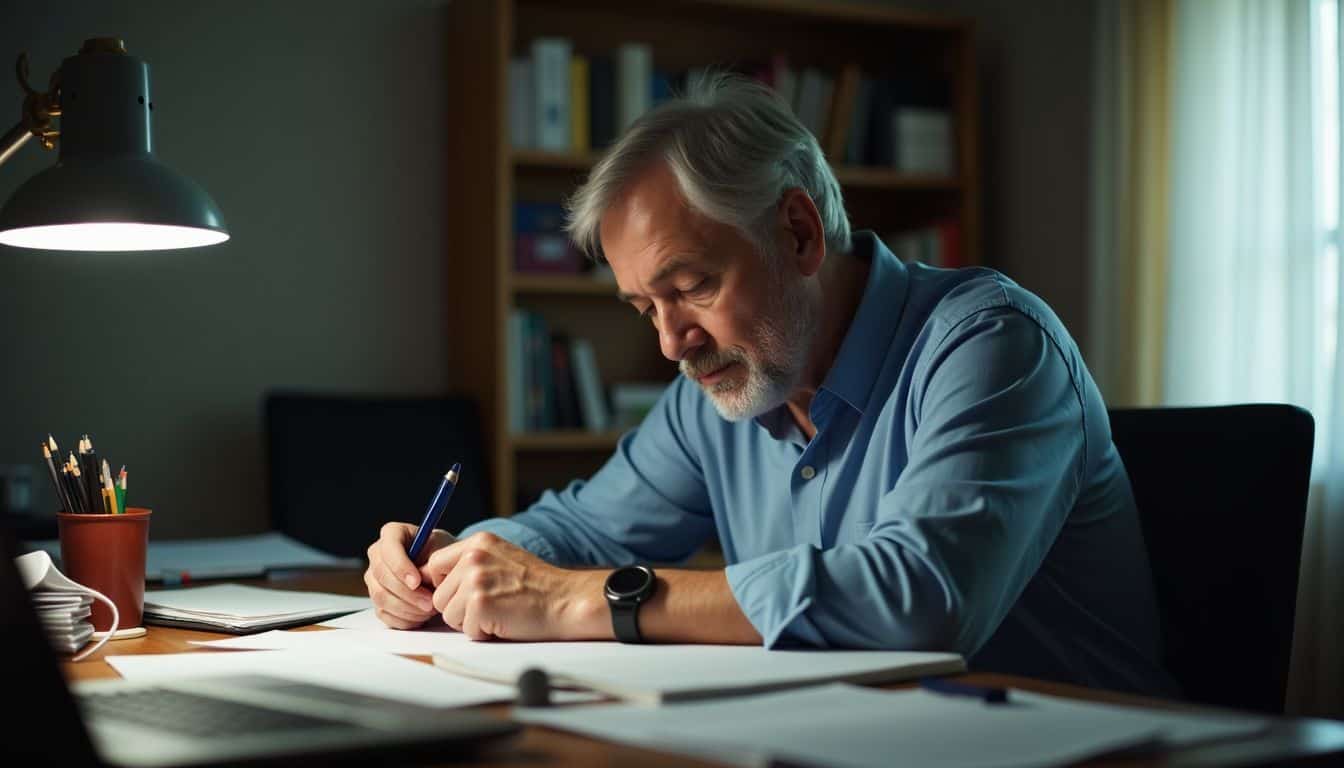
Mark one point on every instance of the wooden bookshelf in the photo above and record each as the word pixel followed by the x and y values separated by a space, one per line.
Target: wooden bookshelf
pixel 487 175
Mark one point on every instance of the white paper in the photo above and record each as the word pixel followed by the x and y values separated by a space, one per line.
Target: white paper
pixel 240 601
pixel 361 671
pixel 366 620
pixel 854 727
pixel 421 642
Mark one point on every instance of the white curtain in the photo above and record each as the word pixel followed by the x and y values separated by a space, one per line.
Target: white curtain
pixel 1253 284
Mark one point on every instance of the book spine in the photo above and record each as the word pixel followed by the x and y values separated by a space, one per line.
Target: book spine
pixel 550 103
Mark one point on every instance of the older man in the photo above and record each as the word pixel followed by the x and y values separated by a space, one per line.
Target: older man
pixel 892 456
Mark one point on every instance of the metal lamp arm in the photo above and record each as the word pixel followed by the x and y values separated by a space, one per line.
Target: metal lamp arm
pixel 38 110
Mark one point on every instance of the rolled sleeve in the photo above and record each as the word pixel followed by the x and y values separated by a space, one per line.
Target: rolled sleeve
pixel 646 504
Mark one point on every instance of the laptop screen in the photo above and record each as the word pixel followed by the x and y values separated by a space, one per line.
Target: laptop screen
pixel 45 725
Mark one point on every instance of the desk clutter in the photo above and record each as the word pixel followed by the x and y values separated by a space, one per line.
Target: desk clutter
pixel 63 606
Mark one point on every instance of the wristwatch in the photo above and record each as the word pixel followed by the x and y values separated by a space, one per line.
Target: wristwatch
pixel 626 589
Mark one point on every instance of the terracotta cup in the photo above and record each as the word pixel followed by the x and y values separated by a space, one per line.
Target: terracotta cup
pixel 107 553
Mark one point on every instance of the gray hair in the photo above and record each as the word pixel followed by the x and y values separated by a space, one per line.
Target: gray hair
pixel 734 147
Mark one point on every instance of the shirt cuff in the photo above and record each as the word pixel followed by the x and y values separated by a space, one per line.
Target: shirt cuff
pixel 515 533
pixel 775 591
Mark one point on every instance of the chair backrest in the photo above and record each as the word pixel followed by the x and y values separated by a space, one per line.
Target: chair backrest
pixel 340 467
pixel 1222 496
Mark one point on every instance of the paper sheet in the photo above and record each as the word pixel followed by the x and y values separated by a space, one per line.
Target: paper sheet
pixel 362 671
pixel 854 727
pixel 239 601
pixel 421 642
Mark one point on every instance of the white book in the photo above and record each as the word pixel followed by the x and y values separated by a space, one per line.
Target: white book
pixel 634 83
pixel 550 94
pixel 592 399
pixel 520 102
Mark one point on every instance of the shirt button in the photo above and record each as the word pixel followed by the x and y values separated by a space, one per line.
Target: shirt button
pixel 808 472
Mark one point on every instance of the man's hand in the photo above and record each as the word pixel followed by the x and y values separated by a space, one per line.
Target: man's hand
pixel 401 597
pixel 489 588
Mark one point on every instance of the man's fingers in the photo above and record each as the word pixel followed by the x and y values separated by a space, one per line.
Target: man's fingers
pixel 392 542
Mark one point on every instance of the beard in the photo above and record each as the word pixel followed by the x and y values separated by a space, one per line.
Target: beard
pixel 782 341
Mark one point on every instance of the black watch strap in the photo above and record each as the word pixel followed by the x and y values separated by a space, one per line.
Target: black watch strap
pixel 625 621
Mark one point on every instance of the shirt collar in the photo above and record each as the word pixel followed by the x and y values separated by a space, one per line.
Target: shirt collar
pixel 863 351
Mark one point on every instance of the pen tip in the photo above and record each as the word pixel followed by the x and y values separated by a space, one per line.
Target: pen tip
pixel 457 468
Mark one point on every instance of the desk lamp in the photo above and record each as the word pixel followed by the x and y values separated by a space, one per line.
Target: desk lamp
pixel 107 191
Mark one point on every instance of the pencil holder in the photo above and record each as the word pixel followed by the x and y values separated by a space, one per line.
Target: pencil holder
pixel 107 553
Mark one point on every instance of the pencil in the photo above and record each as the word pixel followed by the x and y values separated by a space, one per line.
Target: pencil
pixel 109 493
pixel 88 460
pixel 121 489
pixel 55 477
pixel 80 484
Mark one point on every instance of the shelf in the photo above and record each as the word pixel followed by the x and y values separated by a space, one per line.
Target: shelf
pixel 561 285
pixel 568 440
pixel 853 176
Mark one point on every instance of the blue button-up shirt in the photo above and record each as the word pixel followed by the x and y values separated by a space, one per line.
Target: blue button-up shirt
pixel 961 492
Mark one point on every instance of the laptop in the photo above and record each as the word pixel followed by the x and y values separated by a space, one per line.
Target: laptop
pixel 232 720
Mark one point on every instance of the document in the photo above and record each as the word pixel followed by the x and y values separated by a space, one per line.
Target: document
pixel 419 642
pixel 237 608
pixel 655 674
pixel 360 671
pixel 650 674
pixel 842 725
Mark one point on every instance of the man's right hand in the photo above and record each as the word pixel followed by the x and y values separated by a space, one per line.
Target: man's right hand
pixel 401 599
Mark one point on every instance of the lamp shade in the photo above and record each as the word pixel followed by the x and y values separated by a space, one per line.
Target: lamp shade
pixel 108 192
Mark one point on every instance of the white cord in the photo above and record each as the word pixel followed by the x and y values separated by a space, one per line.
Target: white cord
pixel 116 620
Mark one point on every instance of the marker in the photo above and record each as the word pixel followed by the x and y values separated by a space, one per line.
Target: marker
pixel 435 511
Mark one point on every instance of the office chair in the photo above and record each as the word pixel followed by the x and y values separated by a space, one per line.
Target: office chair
pixel 1222 497
pixel 340 467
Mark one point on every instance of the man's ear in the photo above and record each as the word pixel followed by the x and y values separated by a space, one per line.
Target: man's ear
pixel 805 239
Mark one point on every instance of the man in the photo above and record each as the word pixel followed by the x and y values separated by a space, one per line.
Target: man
pixel 892 456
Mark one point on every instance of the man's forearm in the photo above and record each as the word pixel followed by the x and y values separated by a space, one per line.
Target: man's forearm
pixel 688 607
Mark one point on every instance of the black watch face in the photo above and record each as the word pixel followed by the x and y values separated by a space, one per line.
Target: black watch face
pixel 628 582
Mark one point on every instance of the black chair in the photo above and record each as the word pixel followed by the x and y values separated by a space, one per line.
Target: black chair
pixel 1222 496
pixel 340 467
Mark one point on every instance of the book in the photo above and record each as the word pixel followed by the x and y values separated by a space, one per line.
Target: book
pixel 550 92
pixel 239 609
pixel 634 83
pixel 659 674
pixel 592 398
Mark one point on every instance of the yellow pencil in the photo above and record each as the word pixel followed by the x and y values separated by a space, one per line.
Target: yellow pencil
pixel 109 492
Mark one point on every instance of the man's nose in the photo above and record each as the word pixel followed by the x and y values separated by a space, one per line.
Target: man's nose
pixel 678 334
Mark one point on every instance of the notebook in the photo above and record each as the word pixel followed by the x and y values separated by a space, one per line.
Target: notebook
pixel 238 608
pixel 224 720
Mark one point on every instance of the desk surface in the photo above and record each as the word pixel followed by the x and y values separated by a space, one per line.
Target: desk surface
pixel 1291 741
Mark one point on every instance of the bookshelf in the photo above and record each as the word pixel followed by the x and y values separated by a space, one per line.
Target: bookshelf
pixel 487 175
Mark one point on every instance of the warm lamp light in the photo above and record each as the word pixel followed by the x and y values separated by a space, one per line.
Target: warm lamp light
pixel 107 192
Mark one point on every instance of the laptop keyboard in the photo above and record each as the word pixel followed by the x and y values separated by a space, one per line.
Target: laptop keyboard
pixel 193 715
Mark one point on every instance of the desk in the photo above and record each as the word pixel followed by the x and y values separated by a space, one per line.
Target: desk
pixel 1291 741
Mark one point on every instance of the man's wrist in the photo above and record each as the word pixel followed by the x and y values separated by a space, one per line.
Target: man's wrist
pixel 586 615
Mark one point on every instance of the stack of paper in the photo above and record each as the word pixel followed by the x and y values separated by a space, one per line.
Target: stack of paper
pixel 239 609
pixel 64 615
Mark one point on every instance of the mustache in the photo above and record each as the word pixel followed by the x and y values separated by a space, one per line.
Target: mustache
pixel 709 362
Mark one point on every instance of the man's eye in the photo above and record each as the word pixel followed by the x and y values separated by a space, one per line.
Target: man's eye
pixel 698 288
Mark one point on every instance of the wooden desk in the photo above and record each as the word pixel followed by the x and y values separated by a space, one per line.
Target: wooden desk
pixel 1291 741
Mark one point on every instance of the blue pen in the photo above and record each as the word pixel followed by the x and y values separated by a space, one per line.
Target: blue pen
pixel 987 694
pixel 435 511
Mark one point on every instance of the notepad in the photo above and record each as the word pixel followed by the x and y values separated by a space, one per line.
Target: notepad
pixel 238 609
pixel 657 674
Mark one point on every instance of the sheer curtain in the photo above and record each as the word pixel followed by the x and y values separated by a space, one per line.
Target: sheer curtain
pixel 1252 304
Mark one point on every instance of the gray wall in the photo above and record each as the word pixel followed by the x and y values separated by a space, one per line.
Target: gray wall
pixel 316 126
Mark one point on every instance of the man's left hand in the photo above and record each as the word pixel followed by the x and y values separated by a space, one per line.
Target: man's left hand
pixel 489 588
